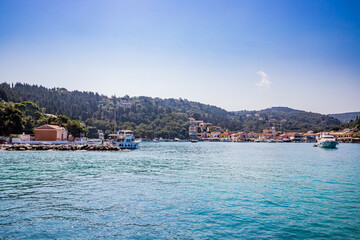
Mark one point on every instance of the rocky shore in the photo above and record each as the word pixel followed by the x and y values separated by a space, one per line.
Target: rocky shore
pixel 43 147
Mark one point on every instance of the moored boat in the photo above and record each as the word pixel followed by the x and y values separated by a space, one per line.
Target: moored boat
pixel 124 139
pixel 327 141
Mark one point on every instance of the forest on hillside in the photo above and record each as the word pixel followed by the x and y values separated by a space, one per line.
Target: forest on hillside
pixel 151 117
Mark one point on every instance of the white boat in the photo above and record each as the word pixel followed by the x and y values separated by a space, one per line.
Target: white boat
pixel 327 141
pixel 124 139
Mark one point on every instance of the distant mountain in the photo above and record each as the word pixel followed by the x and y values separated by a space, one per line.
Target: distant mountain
pixel 156 117
pixel 345 117
pixel 268 110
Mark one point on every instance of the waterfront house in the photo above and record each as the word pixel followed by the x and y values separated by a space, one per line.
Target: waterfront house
pixel 356 137
pixel 239 137
pixel 198 129
pixel 51 133
pixel 215 134
pixel 345 135
pixel 265 136
pixel 295 137
pixel 285 137
pixel 252 136
pixel 310 136
pixel 193 128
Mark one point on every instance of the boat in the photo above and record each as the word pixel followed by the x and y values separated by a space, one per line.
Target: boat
pixel 194 141
pixel 326 141
pixel 124 139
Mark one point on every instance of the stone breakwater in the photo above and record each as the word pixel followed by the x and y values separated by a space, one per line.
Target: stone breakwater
pixel 28 147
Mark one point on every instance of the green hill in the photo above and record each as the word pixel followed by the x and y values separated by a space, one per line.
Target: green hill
pixel 287 119
pixel 155 117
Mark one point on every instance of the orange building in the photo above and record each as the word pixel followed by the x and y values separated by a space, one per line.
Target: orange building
pixel 50 133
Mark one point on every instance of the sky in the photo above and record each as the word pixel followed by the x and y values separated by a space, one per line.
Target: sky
pixel 237 55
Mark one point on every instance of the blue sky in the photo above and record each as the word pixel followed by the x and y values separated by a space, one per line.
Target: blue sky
pixel 233 54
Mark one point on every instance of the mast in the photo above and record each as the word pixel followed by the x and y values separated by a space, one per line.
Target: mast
pixel 114 120
pixel 114 113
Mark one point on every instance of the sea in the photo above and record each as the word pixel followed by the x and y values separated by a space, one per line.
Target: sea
pixel 183 190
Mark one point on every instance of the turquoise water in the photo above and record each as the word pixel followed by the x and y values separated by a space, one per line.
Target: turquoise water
pixel 183 191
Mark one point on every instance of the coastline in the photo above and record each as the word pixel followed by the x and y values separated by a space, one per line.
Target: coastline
pixel 61 147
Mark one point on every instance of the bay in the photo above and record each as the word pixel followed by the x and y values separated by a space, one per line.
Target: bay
pixel 183 191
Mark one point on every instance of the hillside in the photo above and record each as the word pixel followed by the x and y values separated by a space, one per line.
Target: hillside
pixel 287 119
pixel 155 117
pixel 345 117
pixel 355 124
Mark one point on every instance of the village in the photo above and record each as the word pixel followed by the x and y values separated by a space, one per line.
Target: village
pixel 199 130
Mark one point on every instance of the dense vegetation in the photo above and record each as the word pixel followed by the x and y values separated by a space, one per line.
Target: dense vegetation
pixel 24 117
pixel 148 117
pixel 353 124
pixel 287 119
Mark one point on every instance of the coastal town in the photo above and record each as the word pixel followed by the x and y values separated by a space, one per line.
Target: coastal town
pixel 199 130
pixel 155 119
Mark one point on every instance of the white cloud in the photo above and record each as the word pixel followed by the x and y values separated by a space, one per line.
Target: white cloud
pixel 265 82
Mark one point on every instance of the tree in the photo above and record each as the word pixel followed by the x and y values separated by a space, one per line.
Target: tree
pixel 3 95
pixel 92 132
pixel 74 128
pixel 11 120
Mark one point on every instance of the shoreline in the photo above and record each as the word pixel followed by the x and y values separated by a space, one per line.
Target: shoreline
pixel 43 147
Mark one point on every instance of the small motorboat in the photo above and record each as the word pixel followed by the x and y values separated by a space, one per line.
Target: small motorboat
pixel 194 141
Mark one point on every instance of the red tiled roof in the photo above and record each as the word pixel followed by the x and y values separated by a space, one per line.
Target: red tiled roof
pixel 49 126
